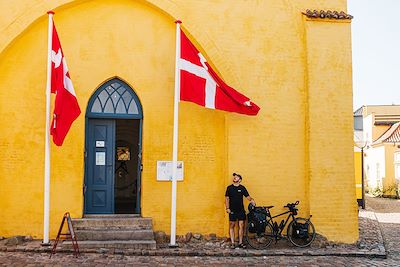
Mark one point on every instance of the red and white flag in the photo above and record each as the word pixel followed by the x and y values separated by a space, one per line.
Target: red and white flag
pixel 66 108
pixel 200 84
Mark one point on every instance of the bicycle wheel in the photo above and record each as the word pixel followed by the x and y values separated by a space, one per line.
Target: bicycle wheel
pixel 259 240
pixel 301 232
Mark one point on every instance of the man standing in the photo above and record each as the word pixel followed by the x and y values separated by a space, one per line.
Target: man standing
pixel 234 206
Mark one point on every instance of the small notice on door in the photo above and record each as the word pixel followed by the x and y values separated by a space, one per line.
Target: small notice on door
pixel 164 171
pixel 99 143
pixel 100 158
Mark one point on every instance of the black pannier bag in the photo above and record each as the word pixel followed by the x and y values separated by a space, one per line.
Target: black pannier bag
pixel 257 220
pixel 300 230
pixel 252 227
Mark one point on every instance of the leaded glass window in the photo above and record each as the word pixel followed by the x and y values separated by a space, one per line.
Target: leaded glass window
pixel 115 97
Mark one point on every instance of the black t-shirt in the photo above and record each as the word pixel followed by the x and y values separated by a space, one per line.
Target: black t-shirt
pixel 235 194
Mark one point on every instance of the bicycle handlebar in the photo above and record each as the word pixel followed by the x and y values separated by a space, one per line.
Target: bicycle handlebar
pixel 292 205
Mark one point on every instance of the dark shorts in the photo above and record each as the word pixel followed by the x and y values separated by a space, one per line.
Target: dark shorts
pixel 234 216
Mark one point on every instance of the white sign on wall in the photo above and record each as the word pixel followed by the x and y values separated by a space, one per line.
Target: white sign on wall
pixel 164 171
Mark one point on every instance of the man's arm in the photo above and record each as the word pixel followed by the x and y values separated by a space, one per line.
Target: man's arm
pixel 247 195
pixel 227 204
pixel 249 198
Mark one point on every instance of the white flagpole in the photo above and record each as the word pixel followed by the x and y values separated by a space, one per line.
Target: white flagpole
pixel 175 137
pixel 46 221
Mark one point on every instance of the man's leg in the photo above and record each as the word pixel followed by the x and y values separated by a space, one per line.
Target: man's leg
pixel 241 226
pixel 232 231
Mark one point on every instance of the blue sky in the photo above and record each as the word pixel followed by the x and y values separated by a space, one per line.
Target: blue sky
pixel 376 51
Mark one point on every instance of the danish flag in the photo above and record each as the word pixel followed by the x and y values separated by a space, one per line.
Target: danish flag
pixel 201 84
pixel 66 108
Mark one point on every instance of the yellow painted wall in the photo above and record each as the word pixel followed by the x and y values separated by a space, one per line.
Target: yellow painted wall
pixel 358 174
pixel 299 147
pixel 378 130
pixel 389 181
pixel 330 134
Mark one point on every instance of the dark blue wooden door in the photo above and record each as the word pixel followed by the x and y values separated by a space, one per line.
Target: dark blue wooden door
pixel 99 184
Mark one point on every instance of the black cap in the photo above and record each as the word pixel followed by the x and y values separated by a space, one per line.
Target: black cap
pixel 238 175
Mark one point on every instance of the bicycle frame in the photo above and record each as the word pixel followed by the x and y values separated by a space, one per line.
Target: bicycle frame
pixel 278 232
pixel 300 231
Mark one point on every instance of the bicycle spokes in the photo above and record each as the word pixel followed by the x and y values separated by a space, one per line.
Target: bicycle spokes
pixel 260 240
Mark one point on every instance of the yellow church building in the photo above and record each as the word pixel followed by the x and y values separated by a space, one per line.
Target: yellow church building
pixel 293 63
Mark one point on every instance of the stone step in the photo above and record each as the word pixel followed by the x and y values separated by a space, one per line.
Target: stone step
pixel 107 234
pixel 113 222
pixel 114 231
pixel 115 228
pixel 116 244
pixel 111 216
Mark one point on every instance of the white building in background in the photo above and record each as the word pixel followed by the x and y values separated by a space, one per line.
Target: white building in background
pixel 377 128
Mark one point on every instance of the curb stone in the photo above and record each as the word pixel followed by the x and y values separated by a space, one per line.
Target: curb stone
pixel 244 253
pixel 381 238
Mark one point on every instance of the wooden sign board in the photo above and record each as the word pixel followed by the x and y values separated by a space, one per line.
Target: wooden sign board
pixel 70 234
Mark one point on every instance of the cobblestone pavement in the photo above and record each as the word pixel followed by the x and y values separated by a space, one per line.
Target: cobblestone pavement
pixel 35 259
pixel 386 211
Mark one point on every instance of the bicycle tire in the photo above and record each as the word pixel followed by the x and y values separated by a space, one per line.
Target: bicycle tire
pixel 301 241
pixel 259 241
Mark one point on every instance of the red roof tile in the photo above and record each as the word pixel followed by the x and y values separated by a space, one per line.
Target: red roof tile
pixel 327 14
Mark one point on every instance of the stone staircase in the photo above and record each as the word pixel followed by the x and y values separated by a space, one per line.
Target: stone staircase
pixel 118 231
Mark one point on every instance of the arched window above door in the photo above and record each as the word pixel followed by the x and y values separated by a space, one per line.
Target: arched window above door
pixel 114 99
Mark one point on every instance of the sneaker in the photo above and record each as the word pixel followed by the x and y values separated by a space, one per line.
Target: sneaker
pixel 242 246
pixel 232 246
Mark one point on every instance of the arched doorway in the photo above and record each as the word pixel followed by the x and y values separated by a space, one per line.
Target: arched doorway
pixel 113 148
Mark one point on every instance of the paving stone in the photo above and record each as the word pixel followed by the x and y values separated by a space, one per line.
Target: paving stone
pixel 197 236
pixel 188 237
pixel 160 237
pixel 28 238
pixel 15 240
